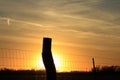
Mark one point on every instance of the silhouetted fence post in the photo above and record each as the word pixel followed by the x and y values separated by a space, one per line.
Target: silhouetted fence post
pixel 48 59
pixel 94 68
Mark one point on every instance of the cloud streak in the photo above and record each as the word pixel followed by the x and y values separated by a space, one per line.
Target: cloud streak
pixel 8 20
pixel 94 23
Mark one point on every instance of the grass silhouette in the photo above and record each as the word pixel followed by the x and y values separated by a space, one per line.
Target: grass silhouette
pixel 104 73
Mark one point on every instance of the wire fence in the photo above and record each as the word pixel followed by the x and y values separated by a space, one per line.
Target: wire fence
pixel 19 59
pixel 31 59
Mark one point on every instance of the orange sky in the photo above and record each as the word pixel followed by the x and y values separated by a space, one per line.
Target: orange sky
pixel 80 29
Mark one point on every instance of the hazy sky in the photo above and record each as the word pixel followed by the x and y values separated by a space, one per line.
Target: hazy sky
pixel 78 27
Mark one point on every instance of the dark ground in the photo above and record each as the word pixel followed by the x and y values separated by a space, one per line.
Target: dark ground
pixel 40 75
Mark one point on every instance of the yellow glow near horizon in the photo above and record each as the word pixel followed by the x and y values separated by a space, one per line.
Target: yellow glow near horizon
pixel 57 60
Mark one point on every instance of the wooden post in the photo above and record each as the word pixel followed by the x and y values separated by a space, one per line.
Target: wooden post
pixel 48 59
pixel 94 68
pixel 93 64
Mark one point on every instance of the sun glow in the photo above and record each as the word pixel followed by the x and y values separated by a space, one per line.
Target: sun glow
pixel 57 61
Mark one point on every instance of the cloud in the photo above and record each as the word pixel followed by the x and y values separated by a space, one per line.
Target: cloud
pixel 88 26
pixel 92 16
pixel 5 19
pixel 87 18
pixel 14 29
pixel 8 22
pixel 19 21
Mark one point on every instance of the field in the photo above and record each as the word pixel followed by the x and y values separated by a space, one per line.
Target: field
pixel 40 75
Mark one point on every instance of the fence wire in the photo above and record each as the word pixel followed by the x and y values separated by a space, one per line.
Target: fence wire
pixel 31 59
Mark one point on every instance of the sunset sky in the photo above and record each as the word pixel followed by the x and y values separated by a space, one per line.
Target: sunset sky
pixel 80 30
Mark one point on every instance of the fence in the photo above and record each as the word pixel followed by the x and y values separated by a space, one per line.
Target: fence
pixel 31 59
pixel 19 59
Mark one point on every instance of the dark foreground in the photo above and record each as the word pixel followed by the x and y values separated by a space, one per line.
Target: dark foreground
pixel 40 75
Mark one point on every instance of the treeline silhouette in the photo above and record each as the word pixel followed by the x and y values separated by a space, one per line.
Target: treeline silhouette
pixel 10 74
pixel 107 69
pixel 102 73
